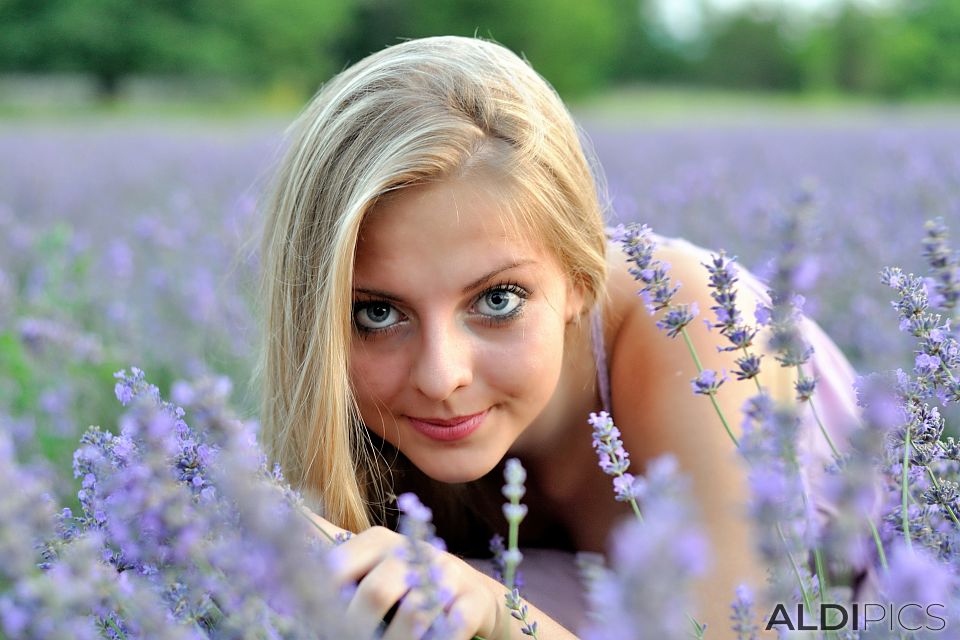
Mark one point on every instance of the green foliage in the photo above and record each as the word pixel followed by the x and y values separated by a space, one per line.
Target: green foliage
pixel 17 391
pixel 647 53
pixel 573 44
pixel 249 39
pixel 749 50
pixel 920 45
pixel 842 53
pixel 900 48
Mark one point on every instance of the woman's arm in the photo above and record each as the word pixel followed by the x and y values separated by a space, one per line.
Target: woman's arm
pixel 372 560
pixel 657 413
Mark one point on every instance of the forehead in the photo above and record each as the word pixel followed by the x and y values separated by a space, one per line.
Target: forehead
pixel 448 216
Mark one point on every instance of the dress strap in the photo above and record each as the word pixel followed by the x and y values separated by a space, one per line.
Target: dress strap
pixel 600 356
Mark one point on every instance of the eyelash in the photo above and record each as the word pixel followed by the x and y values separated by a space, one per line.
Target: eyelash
pixel 490 321
pixel 510 287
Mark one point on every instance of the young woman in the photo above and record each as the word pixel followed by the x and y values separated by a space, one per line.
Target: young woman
pixel 439 295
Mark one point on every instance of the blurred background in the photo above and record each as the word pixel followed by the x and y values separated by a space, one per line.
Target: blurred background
pixel 279 51
pixel 136 137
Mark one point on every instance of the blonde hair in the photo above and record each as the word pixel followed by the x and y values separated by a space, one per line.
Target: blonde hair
pixel 418 111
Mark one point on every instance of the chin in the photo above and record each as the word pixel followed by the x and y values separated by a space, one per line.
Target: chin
pixel 457 467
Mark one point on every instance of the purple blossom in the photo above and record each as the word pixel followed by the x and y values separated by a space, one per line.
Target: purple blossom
pixel 748 367
pixel 129 386
pixel 927 363
pixel 743 615
pixel 677 318
pixel 614 459
pixel 723 276
pixel 805 386
pixel 944 264
pixel 708 382
pixel 518 610
pixel 423 574
pixel 627 487
pixel 779 506
pixel 762 314
pixel 918 577
pixel 514 475
pixel 45 336
pixel 623 600
pixel 657 291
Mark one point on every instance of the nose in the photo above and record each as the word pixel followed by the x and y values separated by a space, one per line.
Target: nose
pixel 444 362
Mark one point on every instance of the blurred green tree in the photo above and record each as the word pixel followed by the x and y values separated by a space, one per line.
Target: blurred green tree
pixel 574 44
pixel 843 53
pixel 920 48
pixel 647 53
pixel 748 49
pixel 259 40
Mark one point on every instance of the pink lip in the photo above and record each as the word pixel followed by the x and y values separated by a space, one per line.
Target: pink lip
pixel 448 430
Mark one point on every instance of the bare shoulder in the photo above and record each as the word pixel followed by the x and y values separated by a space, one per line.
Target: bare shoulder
pixel 650 373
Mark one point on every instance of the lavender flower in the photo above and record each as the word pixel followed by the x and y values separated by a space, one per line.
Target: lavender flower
pixel 271 560
pixel 944 264
pixel 45 335
pixel 914 444
pixel 805 387
pixel 728 318
pixel 208 528
pixel 722 278
pixel 657 291
pixel 72 589
pixel 514 476
pixel 624 602
pixel 778 505
pixel 614 459
pixel 743 616
pixel 748 367
pixel 677 318
pixel 26 515
pixel 708 382
pixel 519 610
pixel 916 576
pixel 792 273
pixel 424 575
pixel 497 551
pixel 638 244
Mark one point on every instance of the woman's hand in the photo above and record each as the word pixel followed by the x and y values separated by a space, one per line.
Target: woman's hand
pixel 462 600
pixel 374 561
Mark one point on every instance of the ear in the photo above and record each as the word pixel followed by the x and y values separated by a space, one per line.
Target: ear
pixel 576 296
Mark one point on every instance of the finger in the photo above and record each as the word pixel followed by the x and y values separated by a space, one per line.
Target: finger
pixel 324 527
pixel 378 592
pixel 466 616
pixel 360 554
pixel 416 618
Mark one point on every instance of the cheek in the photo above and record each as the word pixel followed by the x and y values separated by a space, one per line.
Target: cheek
pixel 376 378
pixel 528 367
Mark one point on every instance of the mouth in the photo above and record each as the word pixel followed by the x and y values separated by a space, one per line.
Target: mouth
pixel 448 429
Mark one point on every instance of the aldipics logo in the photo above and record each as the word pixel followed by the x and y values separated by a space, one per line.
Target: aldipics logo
pixel 859 616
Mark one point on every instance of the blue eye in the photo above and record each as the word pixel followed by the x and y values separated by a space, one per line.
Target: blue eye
pixel 374 316
pixel 501 302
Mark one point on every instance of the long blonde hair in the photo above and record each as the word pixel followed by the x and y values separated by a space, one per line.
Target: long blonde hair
pixel 417 111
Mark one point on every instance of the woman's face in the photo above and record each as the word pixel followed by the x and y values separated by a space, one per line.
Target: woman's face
pixel 458 327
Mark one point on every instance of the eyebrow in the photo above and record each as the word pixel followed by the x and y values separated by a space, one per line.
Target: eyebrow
pixel 479 282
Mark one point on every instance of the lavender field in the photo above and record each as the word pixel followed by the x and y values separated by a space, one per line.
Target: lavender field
pixel 131 243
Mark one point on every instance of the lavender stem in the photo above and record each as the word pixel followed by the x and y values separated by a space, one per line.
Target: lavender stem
pixel 713 400
pixel 903 489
